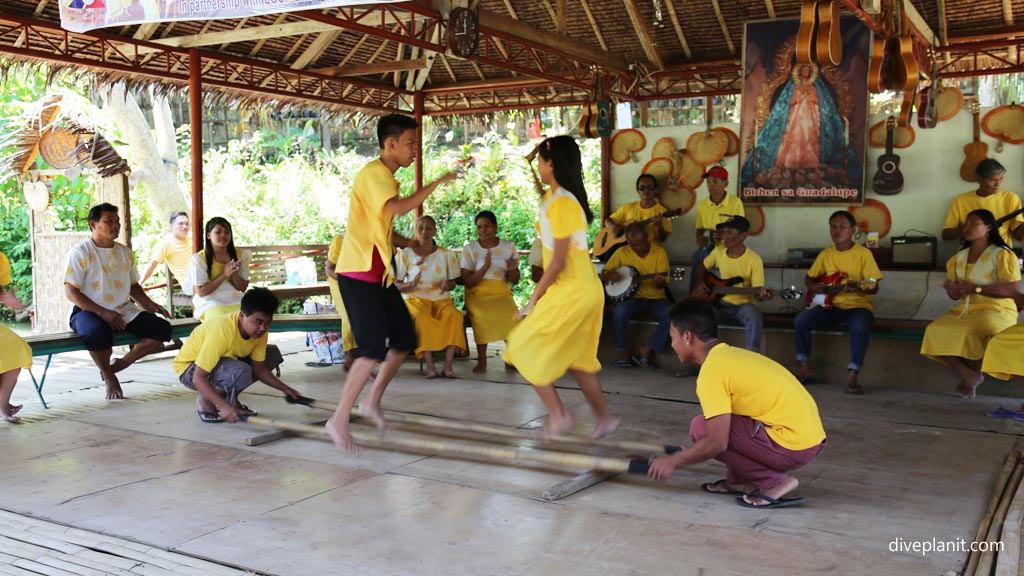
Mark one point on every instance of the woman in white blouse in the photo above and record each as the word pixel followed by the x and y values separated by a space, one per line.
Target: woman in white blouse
pixel 219 273
pixel 489 266
pixel 425 275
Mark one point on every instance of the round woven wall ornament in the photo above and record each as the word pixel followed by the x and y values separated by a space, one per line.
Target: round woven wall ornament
pixel 734 140
pixel 1005 123
pixel 37 195
pixel 57 146
pixel 902 136
pixel 625 145
pixel 949 102
pixel 707 147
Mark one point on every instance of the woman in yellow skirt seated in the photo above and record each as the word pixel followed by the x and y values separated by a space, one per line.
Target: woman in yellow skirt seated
pixel 561 323
pixel 15 354
pixel 978 276
pixel 489 265
pixel 1003 359
pixel 425 275
pixel 219 274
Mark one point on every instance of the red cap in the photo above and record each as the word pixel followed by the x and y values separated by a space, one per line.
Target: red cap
pixel 718 172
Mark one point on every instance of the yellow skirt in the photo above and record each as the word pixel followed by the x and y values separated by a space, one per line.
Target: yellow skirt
pixel 439 324
pixel 14 352
pixel 492 310
pixel 964 337
pixel 560 334
pixel 1003 358
pixel 348 340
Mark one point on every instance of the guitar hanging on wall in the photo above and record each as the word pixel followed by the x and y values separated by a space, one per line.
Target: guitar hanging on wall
pixel 976 151
pixel 888 179
pixel 596 121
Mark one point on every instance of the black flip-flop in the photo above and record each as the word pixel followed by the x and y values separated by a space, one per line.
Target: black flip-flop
pixel 772 502
pixel 210 417
pixel 724 485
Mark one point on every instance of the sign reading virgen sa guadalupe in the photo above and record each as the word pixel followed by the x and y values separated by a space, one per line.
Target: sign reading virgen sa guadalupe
pixel 84 15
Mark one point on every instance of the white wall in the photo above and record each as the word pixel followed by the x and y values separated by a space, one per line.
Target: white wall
pixel 931 170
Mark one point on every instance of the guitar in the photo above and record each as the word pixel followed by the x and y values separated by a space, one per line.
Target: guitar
pixel 596 119
pixel 829 38
pixel 719 288
pixel 888 179
pixel 808 33
pixel 880 70
pixel 907 76
pixel 976 151
pixel 927 111
pixel 629 282
pixel 834 284
pixel 607 241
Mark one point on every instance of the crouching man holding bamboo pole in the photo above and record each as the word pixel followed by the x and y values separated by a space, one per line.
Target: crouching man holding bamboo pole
pixel 757 418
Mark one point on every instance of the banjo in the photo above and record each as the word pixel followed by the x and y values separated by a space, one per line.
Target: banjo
pixel 626 287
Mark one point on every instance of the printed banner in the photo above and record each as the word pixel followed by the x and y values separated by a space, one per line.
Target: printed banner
pixel 84 15
pixel 803 125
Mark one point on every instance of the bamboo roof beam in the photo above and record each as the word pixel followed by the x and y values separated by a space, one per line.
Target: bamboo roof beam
pixel 243 35
pixel 1007 12
pixel 678 27
pixel 259 45
pixel 560 25
pixel 369 69
pixel 724 26
pixel 593 24
pixel 511 10
pixel 39 9
pixel 644 34
pixel 769 7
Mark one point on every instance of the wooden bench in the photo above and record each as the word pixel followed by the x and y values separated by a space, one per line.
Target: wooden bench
pixel 268 269
pixel 50 344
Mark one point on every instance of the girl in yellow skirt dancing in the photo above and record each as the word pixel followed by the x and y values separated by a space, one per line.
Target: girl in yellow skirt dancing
pixel 489 265
pixel 1003 359
pixel 15 354
pixel 561 324
pixel 425 275
pixel 979 276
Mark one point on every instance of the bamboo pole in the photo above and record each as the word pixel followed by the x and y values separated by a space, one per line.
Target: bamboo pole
pixel 499 453
pixel 1008 561
pixel 1004 475
pixel 506 431
pixel 576 484
pixel 987 558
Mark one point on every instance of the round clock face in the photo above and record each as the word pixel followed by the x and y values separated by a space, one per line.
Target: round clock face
pixel 463 32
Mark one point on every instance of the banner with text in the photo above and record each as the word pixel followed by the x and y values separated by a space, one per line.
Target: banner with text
pixel 84 15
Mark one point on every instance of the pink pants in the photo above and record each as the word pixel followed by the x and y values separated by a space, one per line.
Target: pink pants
pixel 752 457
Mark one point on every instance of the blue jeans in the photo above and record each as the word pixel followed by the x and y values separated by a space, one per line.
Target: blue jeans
pixel 748 315
pixel 697 259
pixel 858 320
pixel 626 310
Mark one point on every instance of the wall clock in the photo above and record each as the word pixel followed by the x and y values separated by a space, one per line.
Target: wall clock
pixel 463 32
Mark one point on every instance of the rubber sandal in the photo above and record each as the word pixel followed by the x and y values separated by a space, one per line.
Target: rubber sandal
pixel 209 417
pixel 620 363
pixel 641 361
pixel 724 485
pixel 1005 413
pixel 772 502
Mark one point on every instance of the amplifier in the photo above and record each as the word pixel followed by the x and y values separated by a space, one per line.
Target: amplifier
pixel 914 251
pixel 801 257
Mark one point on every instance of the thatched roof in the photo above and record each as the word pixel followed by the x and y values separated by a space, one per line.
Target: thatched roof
pixel 532 52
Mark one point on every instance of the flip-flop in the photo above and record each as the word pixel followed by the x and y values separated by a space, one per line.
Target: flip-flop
pixel 1005 413
pixel 320 364
pixel 641 361
pixel 249 411
pixel 210 417
pixel 452 376
pixel 772 502
pixel 724 485
pixel 620 363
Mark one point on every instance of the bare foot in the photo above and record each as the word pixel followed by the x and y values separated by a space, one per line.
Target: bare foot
pixel 605 427
pixel 431 375
pixel 971 388
pixel 480 368
pixel 10 418
pixel 338 431
pixel 783 488
pixel 372 413
pixel 12 409
pixel 724 487
pixel 852 385
pixel 557 426
pixel 118 365
pixel 114 391
pixel 806 373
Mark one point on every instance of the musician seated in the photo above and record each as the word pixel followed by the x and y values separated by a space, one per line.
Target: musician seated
pixel 736 262
pixel 982 277
pixel 711 212
pixel 990 197
pixel 1003 359
pixel 846 275
pixel 647 207
pixel 648 259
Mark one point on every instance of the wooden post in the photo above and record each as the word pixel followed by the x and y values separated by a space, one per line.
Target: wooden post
pixel 195 108
pixel 606 184
pixel 417 104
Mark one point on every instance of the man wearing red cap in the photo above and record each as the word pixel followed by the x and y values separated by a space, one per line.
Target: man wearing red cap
pixel 717 208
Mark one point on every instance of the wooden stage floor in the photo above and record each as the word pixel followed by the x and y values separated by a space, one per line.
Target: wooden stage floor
pixel 899 466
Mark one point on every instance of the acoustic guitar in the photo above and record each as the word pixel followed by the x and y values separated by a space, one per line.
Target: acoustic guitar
pixel 720 287
pixel 888 178
pixel 834 284
pixel 927 111
pixel 829 43
pixel 976 151
pixel 607 241
pixel 880 69
pixel 806 38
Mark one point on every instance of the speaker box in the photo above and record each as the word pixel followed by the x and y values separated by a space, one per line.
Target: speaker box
pixel 914 251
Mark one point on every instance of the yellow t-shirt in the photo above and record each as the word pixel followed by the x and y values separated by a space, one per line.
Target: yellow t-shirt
pixel 710 214
pixel 5 270
pixel 656 262
pixel 335 249
pixel 748 266
pixel 1006 268
pixel 369 226
pixel 858 263
pixel 999 204
pixel 741 382
pixel 633 212
pixel 215 339
pixel 178 256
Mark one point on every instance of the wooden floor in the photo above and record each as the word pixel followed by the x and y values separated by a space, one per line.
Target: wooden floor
pixel 899 466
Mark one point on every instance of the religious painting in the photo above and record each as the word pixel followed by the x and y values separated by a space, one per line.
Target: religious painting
pixel 803 125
